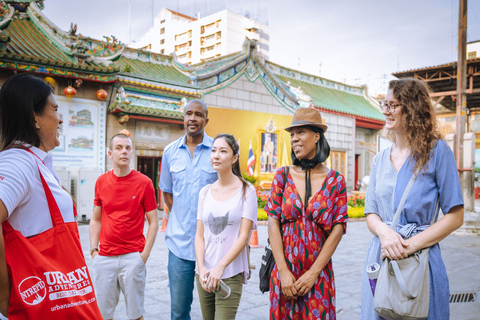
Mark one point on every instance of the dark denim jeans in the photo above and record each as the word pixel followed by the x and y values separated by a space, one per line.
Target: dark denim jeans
pixel 181 274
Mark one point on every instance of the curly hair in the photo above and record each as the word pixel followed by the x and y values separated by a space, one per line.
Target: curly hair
pixel 418 119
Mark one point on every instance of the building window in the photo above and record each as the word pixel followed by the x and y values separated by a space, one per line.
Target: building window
pixel 210 37
pixel 337 161
pixel 219 34
pixel 162 21
pixel 472 55
pixel 162 51
pixel 207 28
pixel 218 23
pixel 162 41
pixel 162 31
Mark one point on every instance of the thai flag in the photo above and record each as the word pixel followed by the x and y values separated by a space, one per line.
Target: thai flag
pixel 251 160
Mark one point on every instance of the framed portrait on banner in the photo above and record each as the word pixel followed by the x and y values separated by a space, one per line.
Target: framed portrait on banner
pixel 267 154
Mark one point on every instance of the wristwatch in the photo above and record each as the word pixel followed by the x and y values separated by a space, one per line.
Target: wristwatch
pixel 93 250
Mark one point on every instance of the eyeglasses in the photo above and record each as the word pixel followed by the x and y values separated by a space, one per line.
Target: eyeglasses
pixel 389 106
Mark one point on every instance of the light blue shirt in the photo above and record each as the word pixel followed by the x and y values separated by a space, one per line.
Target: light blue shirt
pixel 439 181
pixel 184 176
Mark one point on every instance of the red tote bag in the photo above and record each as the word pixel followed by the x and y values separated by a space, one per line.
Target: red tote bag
pixel 48 275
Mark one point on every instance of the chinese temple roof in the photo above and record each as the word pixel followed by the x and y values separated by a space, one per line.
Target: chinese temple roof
pixel 30 42
pixel 337 100
pixel 145 66
pixel 156 85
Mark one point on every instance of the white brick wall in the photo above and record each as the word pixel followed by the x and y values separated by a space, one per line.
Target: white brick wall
pixel 341 137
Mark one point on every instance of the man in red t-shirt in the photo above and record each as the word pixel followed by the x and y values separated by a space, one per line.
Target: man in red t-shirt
pixel 123 197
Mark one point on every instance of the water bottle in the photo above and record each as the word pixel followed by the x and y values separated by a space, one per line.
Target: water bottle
pixel 223 290
pixel 372 271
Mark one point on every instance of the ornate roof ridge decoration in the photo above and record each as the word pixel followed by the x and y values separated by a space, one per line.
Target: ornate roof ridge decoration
pixel 47 27
pixel 315 80
pixel 126 102
pixel 82 49
pixel 129 80
pixel 6 14
pixel 276 86
pixel 96 77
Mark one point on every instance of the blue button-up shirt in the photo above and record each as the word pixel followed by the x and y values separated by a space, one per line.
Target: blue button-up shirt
pixel 183 176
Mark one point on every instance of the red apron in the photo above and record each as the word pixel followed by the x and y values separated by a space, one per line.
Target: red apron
pixel 48 275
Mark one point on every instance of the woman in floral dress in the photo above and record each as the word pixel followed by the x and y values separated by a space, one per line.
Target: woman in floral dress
pixel 305 234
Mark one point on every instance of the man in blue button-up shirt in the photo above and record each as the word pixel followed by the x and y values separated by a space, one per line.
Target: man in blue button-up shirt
pixel 186 169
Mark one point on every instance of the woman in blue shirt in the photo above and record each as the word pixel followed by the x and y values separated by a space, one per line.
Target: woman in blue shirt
pixel 417 143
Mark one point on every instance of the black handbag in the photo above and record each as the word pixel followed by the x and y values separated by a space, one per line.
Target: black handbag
pixel 266 268
pixel 268 261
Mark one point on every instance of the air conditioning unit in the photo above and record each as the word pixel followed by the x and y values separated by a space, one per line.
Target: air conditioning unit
pixel 84 180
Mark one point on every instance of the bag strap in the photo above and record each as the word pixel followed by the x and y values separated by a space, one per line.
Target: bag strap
pixel 285 176
pixel 404 199
pixel 55 214
pixel 401 280
pixel 436 211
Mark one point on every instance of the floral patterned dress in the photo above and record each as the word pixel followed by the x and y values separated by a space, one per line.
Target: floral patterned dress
pixel 304 232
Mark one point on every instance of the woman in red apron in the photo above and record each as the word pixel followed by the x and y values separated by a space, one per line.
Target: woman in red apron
pixel 43 274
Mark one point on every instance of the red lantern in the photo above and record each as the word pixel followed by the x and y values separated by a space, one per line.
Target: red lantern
pixel 70 92
pixel 102 94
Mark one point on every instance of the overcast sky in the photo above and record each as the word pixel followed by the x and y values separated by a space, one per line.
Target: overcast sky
pixel 352 41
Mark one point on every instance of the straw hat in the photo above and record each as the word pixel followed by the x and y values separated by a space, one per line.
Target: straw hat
pixel 307 117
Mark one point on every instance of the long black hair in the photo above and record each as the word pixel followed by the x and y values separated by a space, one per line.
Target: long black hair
pixel 322 147
pixel 21 96
pixel 232 143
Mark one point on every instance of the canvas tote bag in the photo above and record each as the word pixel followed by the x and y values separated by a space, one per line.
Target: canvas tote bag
pixel 403 286
pixel 48 275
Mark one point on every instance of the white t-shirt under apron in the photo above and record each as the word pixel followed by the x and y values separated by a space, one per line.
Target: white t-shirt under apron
pixel 221 225
pixel 22 192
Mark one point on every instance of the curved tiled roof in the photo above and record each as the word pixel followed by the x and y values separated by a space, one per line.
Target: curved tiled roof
pixel 337 100
pixel 164 73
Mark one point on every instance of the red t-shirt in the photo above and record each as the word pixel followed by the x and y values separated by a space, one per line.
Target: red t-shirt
pixel 124 201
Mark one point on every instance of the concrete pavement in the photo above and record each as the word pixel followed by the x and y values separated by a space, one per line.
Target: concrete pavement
pixel 461 255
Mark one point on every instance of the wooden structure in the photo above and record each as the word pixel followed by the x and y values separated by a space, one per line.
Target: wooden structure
pixel 442 80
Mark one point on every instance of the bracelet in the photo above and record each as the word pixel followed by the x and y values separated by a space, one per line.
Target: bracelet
pixel 93 250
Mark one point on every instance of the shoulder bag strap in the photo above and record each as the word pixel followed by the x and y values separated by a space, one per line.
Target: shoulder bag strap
pixel 285 176
pixel 436 211
pixel 55 213
pixel 404 199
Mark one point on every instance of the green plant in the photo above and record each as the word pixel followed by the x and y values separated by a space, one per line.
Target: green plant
pixel 355 201
pixel 248 178
pixel 261 197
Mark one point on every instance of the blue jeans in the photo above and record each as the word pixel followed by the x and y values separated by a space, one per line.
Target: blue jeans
pixel 181 274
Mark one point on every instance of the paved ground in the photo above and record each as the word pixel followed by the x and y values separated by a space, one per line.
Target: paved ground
pixel 461 254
